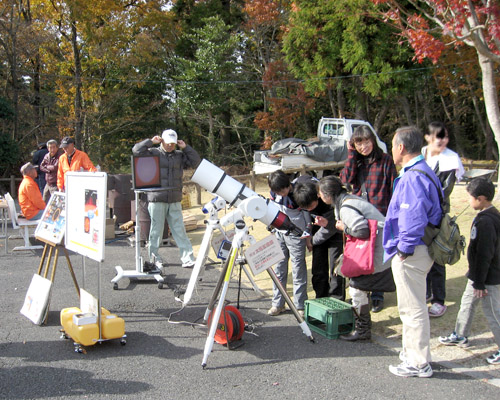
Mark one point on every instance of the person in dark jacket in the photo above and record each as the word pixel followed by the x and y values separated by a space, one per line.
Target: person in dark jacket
pixel 370 173
pixel 448 167
pixel 326 243
pixel 483 256
pixel 37 160
pixel 49 166
pixel 166 203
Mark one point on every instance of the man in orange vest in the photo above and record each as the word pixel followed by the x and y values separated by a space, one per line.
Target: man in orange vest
pixel 72 160
pixel 30 198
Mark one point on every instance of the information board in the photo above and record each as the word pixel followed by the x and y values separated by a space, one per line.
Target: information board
pixel 264 254
pixel 86 213
pixel 52 225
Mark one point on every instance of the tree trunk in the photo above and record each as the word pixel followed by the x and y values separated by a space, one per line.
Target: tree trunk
pixel 405 105
pixel 490 93
pixel 211 137
pixel 78 86
pixel 340 101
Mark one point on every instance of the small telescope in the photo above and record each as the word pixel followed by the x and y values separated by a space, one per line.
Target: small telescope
pixel 216 181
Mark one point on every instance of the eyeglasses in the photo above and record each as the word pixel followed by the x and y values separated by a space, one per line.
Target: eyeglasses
pixel 363 142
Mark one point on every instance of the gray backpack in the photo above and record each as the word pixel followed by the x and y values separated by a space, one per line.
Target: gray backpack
pixel 444 241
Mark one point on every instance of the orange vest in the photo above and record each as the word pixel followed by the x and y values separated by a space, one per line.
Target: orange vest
pixel 30 198
pixel 80 160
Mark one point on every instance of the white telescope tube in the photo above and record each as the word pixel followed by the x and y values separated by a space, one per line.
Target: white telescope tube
pixel 216 181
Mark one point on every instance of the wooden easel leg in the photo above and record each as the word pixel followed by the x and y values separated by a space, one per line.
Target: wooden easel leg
pixel 43 258
pixel 54 265
pixel 47 265
pixel 72 272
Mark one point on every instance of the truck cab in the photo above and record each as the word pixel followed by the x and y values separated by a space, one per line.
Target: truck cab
pixel 341 128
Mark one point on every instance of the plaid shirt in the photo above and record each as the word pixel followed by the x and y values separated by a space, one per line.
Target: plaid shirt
pixel 379 176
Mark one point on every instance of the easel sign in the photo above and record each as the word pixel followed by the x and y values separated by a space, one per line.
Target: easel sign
pixel 52 226
pixel 86 213
pixel 264 254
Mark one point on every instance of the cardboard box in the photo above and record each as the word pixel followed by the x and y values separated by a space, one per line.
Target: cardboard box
pixel 110 228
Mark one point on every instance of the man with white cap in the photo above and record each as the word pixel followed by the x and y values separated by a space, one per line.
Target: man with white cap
pixel 166 204
pixel 30 198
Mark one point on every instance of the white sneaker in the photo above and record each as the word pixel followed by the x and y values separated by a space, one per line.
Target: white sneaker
pixel 406 370
pixel 188 264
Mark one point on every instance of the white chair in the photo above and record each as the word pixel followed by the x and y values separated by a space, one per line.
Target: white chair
pixel 22 224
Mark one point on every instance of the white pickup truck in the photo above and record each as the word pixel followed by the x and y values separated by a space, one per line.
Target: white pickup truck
pixel 327 151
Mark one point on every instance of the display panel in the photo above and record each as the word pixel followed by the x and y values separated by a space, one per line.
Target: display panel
pixel 146 172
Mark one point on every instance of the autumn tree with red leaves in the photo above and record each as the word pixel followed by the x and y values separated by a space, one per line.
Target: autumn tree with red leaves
pixel 430 25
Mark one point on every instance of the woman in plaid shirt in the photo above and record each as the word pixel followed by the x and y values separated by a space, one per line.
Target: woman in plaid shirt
pixel 370 173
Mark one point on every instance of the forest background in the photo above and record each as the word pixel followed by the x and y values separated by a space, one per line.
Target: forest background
pixel 232 76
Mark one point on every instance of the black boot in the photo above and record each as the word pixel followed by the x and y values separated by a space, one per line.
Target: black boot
pixel 363 324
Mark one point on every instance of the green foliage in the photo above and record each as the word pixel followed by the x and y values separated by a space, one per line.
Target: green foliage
pixel 9 155
pixel 6 111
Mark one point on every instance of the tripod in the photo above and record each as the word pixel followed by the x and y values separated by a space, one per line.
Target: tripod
pixel 240 237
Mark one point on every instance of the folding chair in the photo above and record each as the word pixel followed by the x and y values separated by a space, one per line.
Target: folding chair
pixel 22 224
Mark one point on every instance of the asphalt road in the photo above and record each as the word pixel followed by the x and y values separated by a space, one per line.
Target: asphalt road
pixel 163 359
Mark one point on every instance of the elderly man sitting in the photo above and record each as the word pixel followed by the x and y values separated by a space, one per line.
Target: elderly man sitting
pixel 30 198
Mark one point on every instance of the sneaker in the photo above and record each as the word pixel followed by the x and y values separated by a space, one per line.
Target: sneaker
pixel 188 264
pixel 454 340
pixel 301 313
pixel 437 310
pixel 494 358
pixel 275 310
pixel 407 370
pixel 377 305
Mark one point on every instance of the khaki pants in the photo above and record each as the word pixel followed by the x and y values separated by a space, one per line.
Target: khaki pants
pixel 410 278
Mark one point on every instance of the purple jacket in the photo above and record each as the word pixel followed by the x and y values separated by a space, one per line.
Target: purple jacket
pixel 414 203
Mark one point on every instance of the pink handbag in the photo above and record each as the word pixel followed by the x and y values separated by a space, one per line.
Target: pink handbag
pixel 359 253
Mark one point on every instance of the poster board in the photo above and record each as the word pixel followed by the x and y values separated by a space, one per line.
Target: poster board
pixel 146 172
pixel 36 302
pixel 86 213
pixel 52 225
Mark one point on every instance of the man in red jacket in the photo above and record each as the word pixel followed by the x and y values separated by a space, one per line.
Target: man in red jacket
pixel 72 160
pixel 30 198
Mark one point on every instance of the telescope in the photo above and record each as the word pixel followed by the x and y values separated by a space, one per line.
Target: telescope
pixel 216 181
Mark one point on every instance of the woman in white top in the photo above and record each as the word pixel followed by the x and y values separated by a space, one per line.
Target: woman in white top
pixel 449 169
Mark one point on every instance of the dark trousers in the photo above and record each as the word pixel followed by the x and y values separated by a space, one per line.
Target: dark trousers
pixel 324 281
pixel 436 283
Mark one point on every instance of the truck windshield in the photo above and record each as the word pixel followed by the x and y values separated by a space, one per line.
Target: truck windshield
pixel 333 130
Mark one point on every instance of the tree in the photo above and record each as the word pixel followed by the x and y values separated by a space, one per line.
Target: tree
pixel 336 47
pixel 207 79
pixel 430 25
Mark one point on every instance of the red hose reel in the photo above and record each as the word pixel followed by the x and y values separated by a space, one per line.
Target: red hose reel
pixel 230 327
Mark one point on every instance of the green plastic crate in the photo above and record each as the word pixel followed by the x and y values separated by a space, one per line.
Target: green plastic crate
pixel 329 317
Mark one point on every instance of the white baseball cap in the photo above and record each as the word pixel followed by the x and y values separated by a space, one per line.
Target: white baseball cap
pixel 169 136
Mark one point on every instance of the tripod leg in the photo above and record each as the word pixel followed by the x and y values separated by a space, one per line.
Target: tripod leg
pixel 217 288
pixel 200 263
pixel 215 317
pixel 43 258
pixel 300 320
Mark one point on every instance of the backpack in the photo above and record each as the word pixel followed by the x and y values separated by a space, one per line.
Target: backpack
pixel 445 243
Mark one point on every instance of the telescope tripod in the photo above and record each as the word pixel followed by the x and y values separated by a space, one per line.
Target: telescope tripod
pixel 213 224
pixel 222 286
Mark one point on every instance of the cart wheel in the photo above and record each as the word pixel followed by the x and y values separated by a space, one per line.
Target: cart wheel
pixel 115 286
pixel 160 285
pixel 123 342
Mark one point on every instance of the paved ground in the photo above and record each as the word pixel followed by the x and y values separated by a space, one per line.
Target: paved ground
pixel 162 359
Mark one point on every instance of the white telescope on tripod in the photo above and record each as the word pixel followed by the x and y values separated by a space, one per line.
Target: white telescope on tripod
pixel 215 180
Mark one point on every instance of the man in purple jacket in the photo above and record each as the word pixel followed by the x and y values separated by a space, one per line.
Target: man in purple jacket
pixel 414 204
